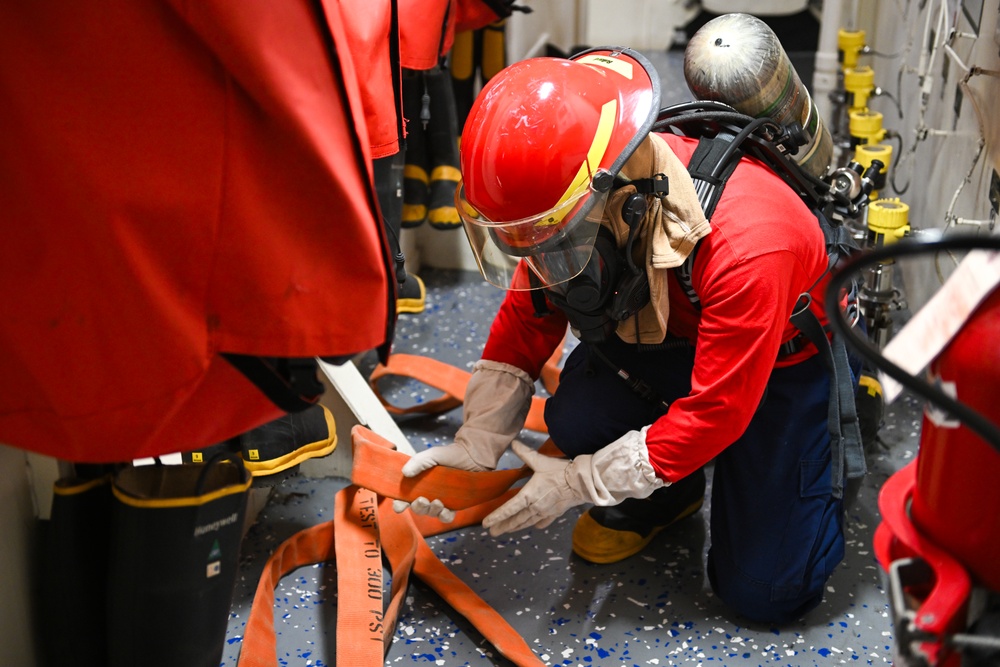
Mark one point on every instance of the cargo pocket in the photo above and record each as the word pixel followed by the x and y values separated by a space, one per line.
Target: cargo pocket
pixel 813 543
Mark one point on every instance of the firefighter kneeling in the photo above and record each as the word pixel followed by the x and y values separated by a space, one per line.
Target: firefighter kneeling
pixel 586 217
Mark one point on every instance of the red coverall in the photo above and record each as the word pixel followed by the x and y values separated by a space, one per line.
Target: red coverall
pixel 178 180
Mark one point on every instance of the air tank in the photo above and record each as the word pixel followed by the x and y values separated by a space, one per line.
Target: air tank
pixel 737 59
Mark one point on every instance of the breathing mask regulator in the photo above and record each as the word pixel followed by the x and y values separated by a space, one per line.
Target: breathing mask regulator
pixel 612 287
pixel 542 151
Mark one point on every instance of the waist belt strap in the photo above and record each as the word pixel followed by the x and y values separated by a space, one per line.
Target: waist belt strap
pixel 364 526
pixel 847 451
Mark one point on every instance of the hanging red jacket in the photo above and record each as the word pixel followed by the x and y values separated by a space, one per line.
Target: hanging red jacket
pixel 427 27
pixel 373 39
pixel 177 180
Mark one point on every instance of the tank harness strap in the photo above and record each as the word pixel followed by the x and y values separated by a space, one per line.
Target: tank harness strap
pixel 709 180
pixel 840 242
pixel 683 275
pixel 847 450
pixel 791 347
pixel 708 174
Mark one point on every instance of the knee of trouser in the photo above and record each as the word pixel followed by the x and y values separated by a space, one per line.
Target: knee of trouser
pixel 760 601
pixel 569 428
pixel 565 433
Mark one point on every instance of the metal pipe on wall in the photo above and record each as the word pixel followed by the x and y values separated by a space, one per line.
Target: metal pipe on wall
pixel 827 63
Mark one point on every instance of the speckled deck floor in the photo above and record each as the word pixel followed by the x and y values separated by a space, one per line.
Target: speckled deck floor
pixel 653 609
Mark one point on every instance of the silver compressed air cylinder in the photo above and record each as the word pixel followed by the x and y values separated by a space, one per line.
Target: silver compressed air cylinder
pixel 737 59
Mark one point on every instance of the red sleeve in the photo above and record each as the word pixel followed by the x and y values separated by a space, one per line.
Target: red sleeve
pixel 476 14
pixel 370 39
pixel 520 338
pixel 424 35
pixel 744 306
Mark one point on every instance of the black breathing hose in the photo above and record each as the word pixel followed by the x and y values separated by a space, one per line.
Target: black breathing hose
pixel 983 427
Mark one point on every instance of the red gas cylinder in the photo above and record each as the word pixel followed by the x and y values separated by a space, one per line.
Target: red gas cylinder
pixel 956 503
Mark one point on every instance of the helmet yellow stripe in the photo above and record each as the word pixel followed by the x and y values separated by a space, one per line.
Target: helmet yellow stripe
pixel 598 147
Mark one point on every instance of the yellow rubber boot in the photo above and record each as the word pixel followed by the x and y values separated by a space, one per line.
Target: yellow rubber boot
pixel 611 534
pixel 442 151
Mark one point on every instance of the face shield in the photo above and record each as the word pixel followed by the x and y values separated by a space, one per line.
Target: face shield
pixel 556 244
pixel 541 147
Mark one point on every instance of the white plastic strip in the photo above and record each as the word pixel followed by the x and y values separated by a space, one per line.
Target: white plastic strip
pixel 930 330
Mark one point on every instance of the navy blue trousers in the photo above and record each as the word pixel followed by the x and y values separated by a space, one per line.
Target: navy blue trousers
pixel 776 530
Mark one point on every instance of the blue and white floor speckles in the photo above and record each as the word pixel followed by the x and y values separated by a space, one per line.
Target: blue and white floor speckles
pixel 653 609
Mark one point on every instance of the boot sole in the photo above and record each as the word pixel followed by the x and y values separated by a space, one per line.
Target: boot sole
pixel 313 450
pixel 607 556
pixel 413 305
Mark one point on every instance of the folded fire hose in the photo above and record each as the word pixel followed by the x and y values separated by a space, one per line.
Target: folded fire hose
pixel 452 381
pixel 365 527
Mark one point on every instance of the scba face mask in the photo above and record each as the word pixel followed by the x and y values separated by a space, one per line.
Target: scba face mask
pixel 612 287
pixel 585 299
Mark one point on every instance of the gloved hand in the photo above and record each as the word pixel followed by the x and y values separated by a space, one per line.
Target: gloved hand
pixel 619 471
pixel 496 404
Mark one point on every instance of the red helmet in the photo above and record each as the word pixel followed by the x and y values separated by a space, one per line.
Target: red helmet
pixel 540 149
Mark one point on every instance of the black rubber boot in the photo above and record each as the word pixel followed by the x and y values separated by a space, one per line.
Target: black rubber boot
pixel 281 445
pixel 412 297
pixel 272 452
pixel 74 573
pixel 389 185
pixel 220 450
pixel 416 111
pixel 871 409
pixel 610 534
pixel 175 543
pixel 442 149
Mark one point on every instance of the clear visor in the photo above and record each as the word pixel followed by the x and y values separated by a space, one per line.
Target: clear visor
pixel 556 245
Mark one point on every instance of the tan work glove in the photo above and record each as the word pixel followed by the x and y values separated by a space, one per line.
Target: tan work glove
pixel 496 404
pixel 619 471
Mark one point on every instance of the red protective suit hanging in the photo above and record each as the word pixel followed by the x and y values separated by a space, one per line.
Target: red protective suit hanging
pixel 373 38
pixel 177 180
pixel 427 27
